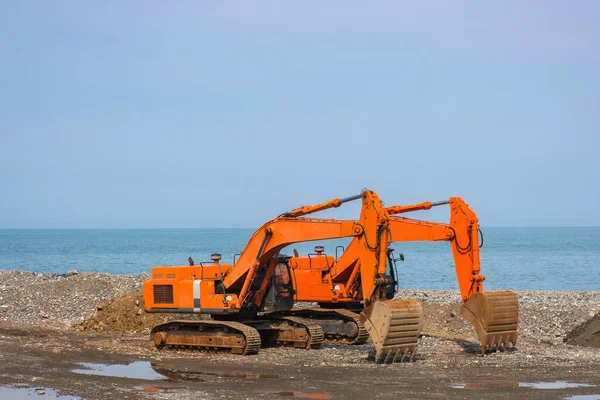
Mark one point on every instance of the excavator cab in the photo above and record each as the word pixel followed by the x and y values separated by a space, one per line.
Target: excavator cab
pixel 280 295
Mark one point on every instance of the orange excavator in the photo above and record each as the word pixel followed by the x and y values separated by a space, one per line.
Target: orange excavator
pixel 250 299
pixel 335 282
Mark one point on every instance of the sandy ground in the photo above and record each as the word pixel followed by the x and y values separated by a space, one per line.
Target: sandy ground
pixel 44 352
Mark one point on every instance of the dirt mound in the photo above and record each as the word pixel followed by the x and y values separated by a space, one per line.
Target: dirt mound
pixel 444 321
pixel 126 314
pixel 586 334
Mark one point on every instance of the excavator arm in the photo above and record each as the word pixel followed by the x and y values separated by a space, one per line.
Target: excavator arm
pixel 462 232
pixel 493 314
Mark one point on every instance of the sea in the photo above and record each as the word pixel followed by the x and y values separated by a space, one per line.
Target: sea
pixel 564 258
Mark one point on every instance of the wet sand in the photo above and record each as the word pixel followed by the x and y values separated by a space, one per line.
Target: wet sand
pixel 445 368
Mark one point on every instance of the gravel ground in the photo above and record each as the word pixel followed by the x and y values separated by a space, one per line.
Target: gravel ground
pixel 34 298
pixel 546 317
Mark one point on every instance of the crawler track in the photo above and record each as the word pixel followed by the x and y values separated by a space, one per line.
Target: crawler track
pixel 316 337
pixel 289 330
pixel 207 336
pixel 339 325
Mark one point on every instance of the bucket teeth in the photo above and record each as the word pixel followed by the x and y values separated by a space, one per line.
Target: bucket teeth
pixel 394 327
pixel 495 316
pixel 494 342
pixel 396 355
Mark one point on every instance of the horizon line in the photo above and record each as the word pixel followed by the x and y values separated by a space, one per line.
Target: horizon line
pixel 247 228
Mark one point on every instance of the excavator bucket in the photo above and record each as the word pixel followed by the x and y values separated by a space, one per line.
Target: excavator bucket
pixel 495 316
pixel 394 327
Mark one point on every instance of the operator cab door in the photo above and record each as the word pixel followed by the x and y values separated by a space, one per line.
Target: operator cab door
pixel 280 296
pixel 392 271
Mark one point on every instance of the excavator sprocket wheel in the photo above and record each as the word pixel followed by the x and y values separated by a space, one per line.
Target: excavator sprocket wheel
pixel 394 327
pixel 495 316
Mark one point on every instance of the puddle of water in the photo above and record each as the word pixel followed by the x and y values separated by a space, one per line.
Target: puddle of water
pixel 156 371
pixel 533 385
pixel 18 392
pixel 299 395
pixel 584 397
pixel 554 385
pixel 178 375
pixel 152 388
pixel 134 370
pixel 486 384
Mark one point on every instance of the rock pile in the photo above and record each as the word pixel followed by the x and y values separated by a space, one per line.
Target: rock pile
pixel 586 334
pixel 545 317
pixel 66 299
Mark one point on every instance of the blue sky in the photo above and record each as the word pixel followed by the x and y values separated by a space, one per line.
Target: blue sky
pixel 198 114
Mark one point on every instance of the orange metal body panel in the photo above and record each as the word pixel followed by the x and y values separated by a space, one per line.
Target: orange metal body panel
pixel 312 280
pixel 182 280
